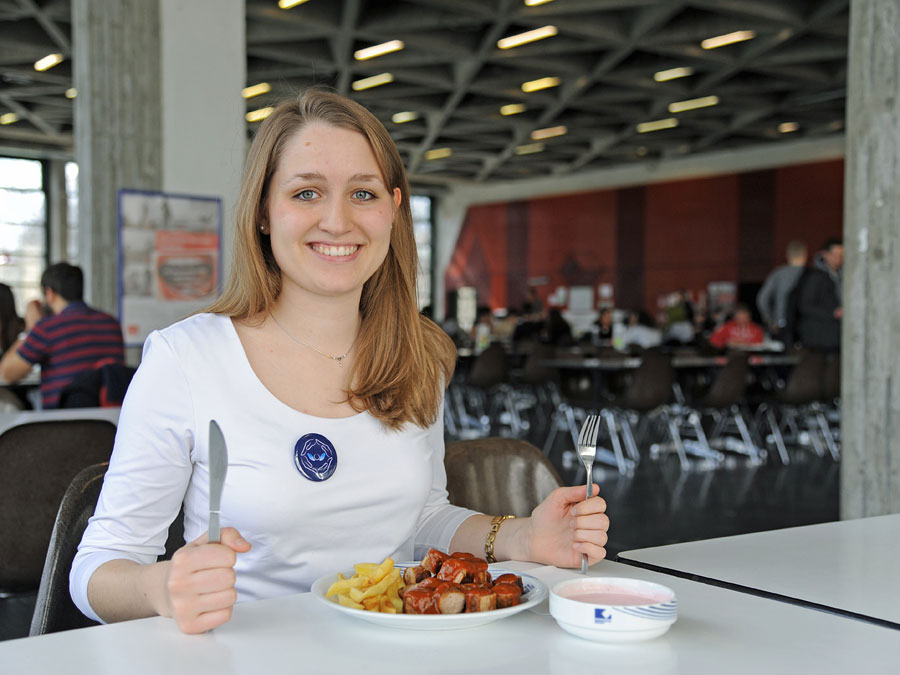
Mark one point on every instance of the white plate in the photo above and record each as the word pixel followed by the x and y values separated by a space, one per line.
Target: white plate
pixel 535 592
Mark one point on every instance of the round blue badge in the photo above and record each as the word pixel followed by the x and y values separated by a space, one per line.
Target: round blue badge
pixel 315 457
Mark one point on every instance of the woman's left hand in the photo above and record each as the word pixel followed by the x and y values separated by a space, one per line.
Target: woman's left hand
pixel 565 525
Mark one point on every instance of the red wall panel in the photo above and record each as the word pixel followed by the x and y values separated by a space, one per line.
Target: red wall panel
pixel 809 205
pixel 690 235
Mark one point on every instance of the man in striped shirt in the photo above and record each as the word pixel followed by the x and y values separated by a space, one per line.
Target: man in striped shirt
pixel 74 338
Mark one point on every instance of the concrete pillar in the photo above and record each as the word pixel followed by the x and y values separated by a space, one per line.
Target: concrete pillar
pixel 870 378
pixel 159 107
pixel 58 221
pixel 118 130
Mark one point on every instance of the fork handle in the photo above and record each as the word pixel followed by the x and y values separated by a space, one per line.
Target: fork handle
pixel 589 489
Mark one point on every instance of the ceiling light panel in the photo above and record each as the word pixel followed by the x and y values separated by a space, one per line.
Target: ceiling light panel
pixel 378 50
pixel 542 83
pixel 258 115
pixel 549 132
pixel 526 37
pixel 256 90
pixel 405 116
pixel 48 62
pixel 672 74
pixel 728 39
pixel 374 81
pixel 657 125
pixel 693 104
pixel 438 153
pixel 513 109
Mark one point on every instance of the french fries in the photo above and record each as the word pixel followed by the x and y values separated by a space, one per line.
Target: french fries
pixel 375 587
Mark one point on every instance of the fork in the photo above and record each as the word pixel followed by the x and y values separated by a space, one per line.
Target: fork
pixel 587 449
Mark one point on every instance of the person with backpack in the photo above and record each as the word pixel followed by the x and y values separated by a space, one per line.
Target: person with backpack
pixel 772 299
pixel 819 305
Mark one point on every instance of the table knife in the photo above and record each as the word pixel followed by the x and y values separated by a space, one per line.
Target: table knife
pixel 218 468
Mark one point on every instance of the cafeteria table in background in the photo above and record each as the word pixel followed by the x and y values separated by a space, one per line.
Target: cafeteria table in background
pixel 12 419
pixel 718 631
pixel 849 567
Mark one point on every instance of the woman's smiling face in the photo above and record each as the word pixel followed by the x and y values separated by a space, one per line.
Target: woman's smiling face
pixel 329 211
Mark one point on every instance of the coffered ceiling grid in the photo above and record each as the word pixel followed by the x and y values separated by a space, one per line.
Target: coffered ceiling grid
pixel 453 75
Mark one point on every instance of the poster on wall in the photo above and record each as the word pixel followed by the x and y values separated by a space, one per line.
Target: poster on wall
pixel 169 259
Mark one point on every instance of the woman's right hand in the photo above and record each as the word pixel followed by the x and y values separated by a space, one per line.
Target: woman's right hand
pixel 200 582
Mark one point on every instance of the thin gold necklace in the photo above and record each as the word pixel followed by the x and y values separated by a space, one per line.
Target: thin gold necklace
pixel 339 359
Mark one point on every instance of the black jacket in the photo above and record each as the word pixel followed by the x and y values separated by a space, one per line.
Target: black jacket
pixel 818 297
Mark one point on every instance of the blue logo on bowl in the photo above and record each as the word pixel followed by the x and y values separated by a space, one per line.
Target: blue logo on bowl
pixel 315 457
pixel 600 616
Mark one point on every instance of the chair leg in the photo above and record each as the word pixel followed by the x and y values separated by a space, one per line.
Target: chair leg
pixel 776 434
pixel 676 439
pixel 630 444
pixel 828 436
pixel 614 438
pixel 749 445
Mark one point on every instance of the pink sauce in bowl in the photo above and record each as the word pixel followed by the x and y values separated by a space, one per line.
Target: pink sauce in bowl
pixel 615 599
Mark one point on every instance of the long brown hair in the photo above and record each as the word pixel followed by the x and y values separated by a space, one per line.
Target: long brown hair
pixel 403 359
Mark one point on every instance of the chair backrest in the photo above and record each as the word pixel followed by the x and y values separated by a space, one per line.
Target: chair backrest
pixel 535 373
pixel 831 380
pixel 38 460
pixel 730 384
pixel 9 402
pixel 54 610
pixel 498 475
pixel 104 386
pixel 651 385
pixel 490 367
pixel 805 383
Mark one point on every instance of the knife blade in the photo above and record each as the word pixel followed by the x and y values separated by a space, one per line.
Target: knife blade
pixel 218 468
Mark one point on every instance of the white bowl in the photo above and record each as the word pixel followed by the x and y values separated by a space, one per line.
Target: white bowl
pixel 613 609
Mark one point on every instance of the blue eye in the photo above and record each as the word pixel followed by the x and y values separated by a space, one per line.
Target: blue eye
pixel 363 195
pixel 306 195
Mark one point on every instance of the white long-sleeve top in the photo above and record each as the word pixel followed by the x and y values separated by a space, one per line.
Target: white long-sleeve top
pixel 387 496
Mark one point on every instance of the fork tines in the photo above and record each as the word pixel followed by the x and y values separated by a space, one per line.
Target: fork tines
pixel 589 431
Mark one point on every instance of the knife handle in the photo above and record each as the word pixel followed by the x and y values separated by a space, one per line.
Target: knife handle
pixel 213 536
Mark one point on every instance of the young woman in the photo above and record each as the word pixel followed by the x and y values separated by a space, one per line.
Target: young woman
pixel 315 343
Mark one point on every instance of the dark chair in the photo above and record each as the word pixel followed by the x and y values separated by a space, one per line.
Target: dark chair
pixel 723 402
pixel 54 610
pixel 489 393
pixel 498 475
pixel 9 402
pixel 101 387
pixel 38 460
pixel 796 414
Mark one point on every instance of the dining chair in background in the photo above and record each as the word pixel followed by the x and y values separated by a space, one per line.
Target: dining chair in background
pixel 498 475
pixel 54 610
pixel 9 402
pixel 38 460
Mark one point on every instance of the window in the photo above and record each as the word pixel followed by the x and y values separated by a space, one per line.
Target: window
pixel 422 227
pixel 72 212
pixel 23 238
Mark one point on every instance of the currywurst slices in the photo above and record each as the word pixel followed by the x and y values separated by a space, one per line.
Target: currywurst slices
pixel 442 584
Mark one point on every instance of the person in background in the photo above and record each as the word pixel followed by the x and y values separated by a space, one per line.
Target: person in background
pixel 772 299
pixel 11 324
pixel 556 330
pixel 533 308
pixel 740 331
pixel 605 327
pixel 819 309
pixel 482 330
pixel 73 339
pixel 641 331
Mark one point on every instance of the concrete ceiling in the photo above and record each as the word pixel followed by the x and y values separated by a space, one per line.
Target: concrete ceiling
pixel 453 75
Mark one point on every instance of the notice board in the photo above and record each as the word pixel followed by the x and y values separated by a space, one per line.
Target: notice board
pixel 170 251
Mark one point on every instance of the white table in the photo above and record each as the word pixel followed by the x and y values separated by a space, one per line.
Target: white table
pixel 718 631
pixel 9 420
pixel 849 566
